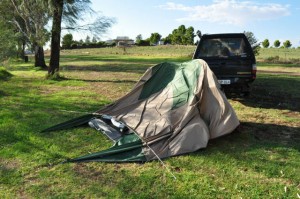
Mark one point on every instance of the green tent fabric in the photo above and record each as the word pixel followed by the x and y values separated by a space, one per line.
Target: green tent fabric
pixel 127 149
pixel 175 108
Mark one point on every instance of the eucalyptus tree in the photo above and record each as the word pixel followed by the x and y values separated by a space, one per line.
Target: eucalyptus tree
pixel 71 13
pixel 7 41
pixel 31 18
pixel 7 25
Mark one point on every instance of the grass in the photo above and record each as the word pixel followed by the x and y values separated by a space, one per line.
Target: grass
pixel 4 74
pixel 259 160
pixel 284 55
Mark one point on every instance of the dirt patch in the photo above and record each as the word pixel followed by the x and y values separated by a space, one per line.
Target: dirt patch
pixel 88 172
pixel 292 114
pixel 10 164
pixel 278 73
pixel 47 90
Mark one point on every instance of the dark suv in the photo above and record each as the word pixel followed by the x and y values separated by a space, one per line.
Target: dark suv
pixel 231 58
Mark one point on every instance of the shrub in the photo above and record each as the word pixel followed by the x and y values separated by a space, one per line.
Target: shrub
pixel 273 59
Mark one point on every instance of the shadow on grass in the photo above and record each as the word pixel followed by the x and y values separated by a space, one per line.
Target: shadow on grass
pixel 130 68
pixel 255 134
pixel 103 80
pixel 274 92
pixel 3 94
pixel 122 58
pixel 264 148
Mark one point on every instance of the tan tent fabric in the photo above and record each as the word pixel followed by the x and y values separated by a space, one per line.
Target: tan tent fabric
pixel 181 128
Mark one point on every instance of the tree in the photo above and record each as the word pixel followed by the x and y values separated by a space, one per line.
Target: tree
pixel 94 40
pixel 71 11
pixel 138 39
pixel 67 41
pixel 8 41
pixel 175 37
pixel 253 42
pixel 31 17
pixel 181 36
pixel 6 15
pixel 57 6
pixel 87 40
pixel 266 43
pixel 154 38
pixel 189 35
pixel 276 43
pixel 287 44
pixel 168 39
pixel 178 35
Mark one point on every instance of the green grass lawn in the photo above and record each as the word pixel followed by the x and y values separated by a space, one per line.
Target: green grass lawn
pixel 283 54
pixel 261 159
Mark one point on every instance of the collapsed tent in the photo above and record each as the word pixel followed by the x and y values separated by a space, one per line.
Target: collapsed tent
pixel 175 108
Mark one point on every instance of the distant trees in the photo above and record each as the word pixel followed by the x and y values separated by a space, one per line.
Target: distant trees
pixel 138 39
pixel 266 43
pixel 94 40
pixel 167 39
pixel 253 41
pixel 155 38
pixel 141 42
pixel 287 44
pixel 67 41
pixel 87 40
pixel 189 36
pixel 276 43
pixel 182 36
pixel 179 36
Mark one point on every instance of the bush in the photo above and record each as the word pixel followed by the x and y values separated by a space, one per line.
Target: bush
pixel 273 59
pixel 144 43
pixel 74 46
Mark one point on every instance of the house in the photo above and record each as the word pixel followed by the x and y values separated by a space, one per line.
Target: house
pixel 123 41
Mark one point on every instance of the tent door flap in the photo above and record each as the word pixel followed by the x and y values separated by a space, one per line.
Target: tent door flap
pixel 109 131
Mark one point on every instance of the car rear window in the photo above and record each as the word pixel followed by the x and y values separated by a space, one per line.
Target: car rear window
pixel 222 47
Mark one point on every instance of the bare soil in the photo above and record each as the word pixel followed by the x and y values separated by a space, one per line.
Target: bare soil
pixel 278 73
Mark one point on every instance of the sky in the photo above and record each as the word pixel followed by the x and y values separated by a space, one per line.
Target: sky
pixel 277 19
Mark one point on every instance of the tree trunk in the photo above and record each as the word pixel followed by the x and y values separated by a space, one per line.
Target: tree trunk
pixel 23 49
pixel 55 36
pixel 39 57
